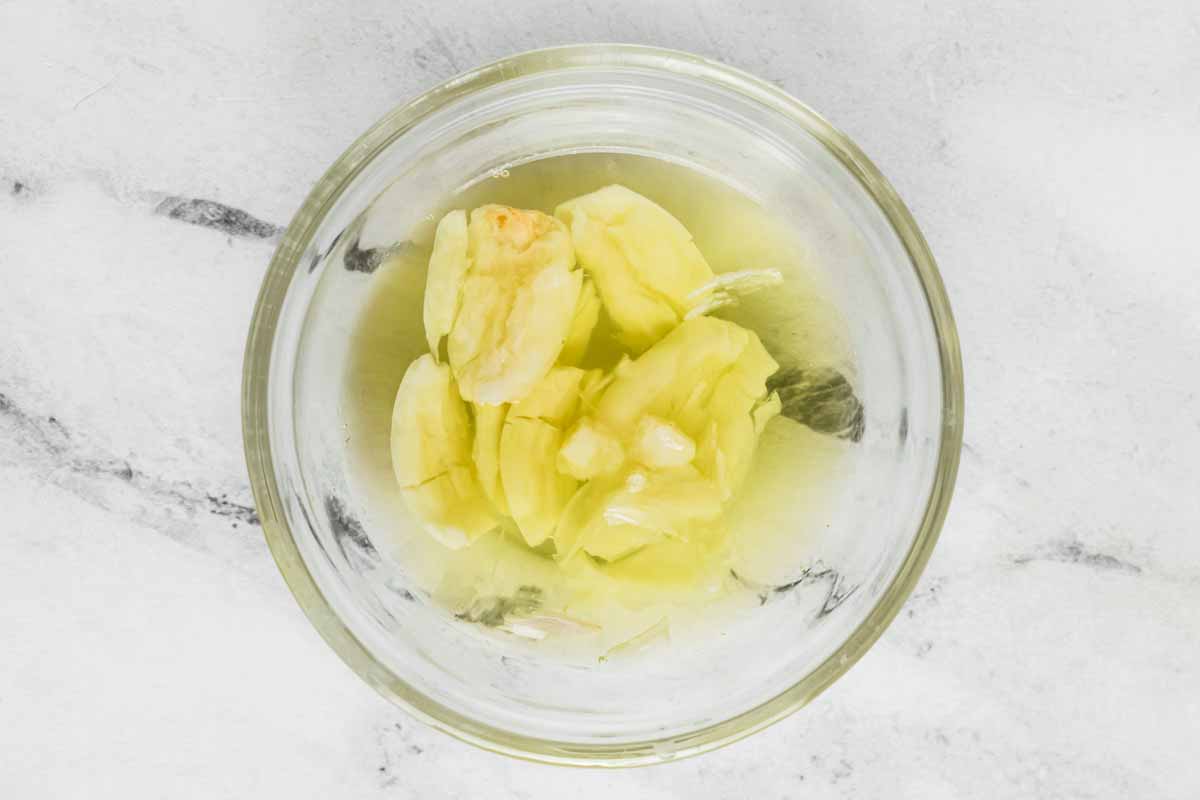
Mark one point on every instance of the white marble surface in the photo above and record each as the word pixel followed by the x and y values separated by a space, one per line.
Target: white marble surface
pixel 1050 152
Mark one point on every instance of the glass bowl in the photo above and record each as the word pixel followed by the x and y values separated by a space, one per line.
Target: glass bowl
pixel 335 545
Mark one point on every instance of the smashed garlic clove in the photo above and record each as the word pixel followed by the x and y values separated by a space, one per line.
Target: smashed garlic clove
pixel 642 259
pixel 516 303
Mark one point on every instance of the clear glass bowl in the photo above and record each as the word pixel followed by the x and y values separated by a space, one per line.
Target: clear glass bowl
pixel 770 660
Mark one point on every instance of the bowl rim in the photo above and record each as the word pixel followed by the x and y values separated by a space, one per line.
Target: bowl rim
pixel 256 439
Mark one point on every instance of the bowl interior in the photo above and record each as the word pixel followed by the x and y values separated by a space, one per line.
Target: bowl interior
pixel 846 546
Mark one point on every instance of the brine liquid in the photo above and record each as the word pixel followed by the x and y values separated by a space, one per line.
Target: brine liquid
pixel 500 587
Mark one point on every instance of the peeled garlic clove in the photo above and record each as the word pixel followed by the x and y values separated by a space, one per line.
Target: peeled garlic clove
pixel 489 424
pixel 431 455
pixel 443 284
pixel 537 493
pixel 579 336
pixel 517 302
pixel 642 259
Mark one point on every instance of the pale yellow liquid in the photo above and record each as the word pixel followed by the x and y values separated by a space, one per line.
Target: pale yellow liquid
pixel 588 607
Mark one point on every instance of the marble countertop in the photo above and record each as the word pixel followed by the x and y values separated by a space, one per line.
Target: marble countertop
pixel 150 153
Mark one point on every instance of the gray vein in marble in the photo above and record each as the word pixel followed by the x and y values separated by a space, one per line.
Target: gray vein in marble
pixel 345 526
pixel 972 453
pixel 191 210
pixel 820 398
pixel 928 595
pixel 932 586
pixel 1068 550
pixel 833 769
pixel 211 214
pixel 436 45
pixel 492 612
pixel 1072 551
pixel 47 436
pixel 16 186
pixel 93 93
pixel 356 259
pixel 394 747
pixel 836 594
pixel 366 261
